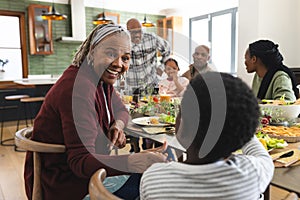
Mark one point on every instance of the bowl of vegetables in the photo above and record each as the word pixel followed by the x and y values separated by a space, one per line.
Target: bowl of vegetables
pixel 280 110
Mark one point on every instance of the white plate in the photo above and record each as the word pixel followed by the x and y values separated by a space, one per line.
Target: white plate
pixel 145 121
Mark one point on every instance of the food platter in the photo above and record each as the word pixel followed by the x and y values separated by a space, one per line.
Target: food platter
pixel 149 121
pixel 290 139
pixel 289 134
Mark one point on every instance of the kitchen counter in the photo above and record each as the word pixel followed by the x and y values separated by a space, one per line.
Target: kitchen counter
pixel 46 81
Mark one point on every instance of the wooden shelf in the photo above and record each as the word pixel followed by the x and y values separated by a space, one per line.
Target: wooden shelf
pixel 166 28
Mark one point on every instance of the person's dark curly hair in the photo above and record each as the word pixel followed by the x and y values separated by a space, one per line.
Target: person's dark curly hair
pixel 240 111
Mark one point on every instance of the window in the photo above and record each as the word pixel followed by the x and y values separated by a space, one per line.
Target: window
pixel 218 31
pixel 13 50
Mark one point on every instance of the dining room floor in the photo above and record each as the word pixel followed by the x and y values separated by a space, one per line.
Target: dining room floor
pixel 12 163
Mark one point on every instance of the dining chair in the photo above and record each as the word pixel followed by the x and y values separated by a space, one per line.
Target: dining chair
pixel 28 108
pixel 291 196
pixel 97 191
pixel 23 141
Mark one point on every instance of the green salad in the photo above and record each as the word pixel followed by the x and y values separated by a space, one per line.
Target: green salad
pixel 166 118
pixel 272 143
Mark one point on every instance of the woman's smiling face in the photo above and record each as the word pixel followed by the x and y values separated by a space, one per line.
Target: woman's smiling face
pixel 111 57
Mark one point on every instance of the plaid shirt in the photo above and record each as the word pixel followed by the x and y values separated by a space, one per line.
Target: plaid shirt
pixel 143 62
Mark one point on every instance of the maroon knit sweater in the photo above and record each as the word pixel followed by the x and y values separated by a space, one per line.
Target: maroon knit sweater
pixel 74 114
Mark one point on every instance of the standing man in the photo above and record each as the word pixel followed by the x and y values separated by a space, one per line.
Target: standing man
pixel 201 57
pixel 143 68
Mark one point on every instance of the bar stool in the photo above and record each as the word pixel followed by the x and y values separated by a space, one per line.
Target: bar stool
pixel 10 98
pixel 26 102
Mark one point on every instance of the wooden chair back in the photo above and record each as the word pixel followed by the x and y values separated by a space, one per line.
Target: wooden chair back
pixel 23 141
pixel 97 190
pixel 291 196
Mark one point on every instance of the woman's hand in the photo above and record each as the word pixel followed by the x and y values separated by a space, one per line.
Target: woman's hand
pixel 139 162
pixel 116 135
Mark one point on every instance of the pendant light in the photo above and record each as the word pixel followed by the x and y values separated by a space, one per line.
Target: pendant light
pixel 102 19
pixel 53 14
pixel 147 23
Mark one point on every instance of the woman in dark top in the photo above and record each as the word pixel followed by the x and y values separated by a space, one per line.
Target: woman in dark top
pixel 83 112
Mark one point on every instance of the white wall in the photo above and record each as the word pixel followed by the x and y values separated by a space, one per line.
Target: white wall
pixel 277 20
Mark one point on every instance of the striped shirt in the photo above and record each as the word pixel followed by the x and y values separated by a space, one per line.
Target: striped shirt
pixel 243 176
pixel 143 62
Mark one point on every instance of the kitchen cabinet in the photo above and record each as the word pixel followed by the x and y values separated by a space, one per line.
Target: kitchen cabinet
pixel 168 28
pixel 40 31
pixel 10 110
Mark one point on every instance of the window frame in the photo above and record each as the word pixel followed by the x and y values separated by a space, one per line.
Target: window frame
pixel 23 45
pixel 233 12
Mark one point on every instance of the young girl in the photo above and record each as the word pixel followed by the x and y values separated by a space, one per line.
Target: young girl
pixel 174 84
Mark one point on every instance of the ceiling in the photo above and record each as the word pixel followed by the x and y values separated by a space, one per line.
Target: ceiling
pixel 140 6
pixel 162 7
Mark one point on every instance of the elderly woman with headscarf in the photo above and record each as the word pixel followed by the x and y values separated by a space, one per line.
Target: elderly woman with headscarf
pixel 272 79
pixel 83 112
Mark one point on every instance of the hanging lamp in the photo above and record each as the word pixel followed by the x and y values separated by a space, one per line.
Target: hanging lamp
pixel 53 14
pixel 102 19
pixel 147 23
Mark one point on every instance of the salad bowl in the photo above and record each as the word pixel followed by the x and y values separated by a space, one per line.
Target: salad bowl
pixel 280 112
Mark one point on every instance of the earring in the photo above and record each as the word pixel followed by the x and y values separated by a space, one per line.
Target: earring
pixel 90 61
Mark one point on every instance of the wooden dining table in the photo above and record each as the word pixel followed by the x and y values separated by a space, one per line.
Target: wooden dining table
pixel 137 131
pixel 287 178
